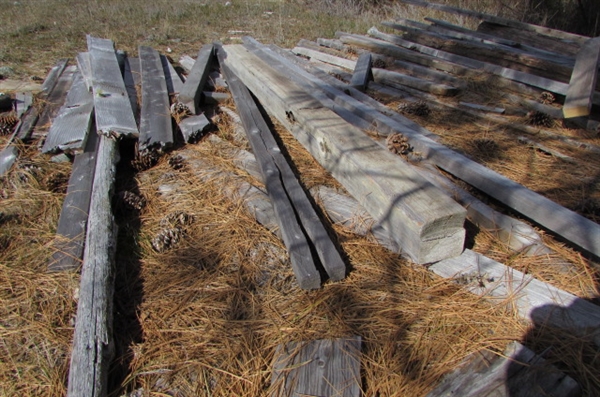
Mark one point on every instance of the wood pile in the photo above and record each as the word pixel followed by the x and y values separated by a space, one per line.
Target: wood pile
pixel 387 163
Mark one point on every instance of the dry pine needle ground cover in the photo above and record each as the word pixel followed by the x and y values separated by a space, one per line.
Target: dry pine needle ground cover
pixel 203 316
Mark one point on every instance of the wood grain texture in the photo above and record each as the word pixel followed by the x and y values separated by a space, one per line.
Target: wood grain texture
pixel 56 98
pixel 426 223
pixel 317 368
pixel 446 26
pixel 156 128
pixel 560 220
pixel 92 341
pixel 518 372
pixel 539 302
pixel 52 77
pixel 194 85
pixel 114 115
pixel 70 127
pixel 72 224
pixel 85 68
pixel 578 101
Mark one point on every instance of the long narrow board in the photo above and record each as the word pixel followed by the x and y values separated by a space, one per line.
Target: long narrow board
pixel 174 81
pixel 132 79
pixel 559 34
pixel 578 102
pixel 558 219
pixel 23 101
pixel 114 115
pixel 85 68
pixel 362 72
pixel 393 194
pixel 56 98
pixel 71 126
pixel 192 88
pixel 52 77
pixel 72 223
pixel 310 222
pixel 327 367
pixel 472 33
pixel 92 341
pixel 296 241
pixel 156 128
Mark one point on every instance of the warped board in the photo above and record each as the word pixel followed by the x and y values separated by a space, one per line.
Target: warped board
pixel 56 97
pixel 326 367
pixel 72 223
pixel 114 115
pixel 52 77
pixel 192 88
pixel 69 129
pixel 546 213
pixel 394 195
pixel 578 101
pixel 156 128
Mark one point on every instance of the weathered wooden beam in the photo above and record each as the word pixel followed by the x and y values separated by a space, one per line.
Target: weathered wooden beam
pixel 472 33
pixel 559 34
pixel 483 108
pixel 192 88
pixel 70 128
pixel 83 64
pixel 578 101
pixel 92 341
pixel 561 221
pixel 539 302
pixel 8 156
pixel 172 78
pixel 517 371
pixel 132 79
pixel 69 242
pixel 156 128
pixel 193 127
pixel 215 98
pixel 114 115
pixel 23 101
pixel 52 77
pixel 393 194
pixel 56 98
pixel 295 212
pixel 328 367
pixel 362 72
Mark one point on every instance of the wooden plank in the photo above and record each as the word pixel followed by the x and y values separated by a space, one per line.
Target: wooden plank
pixel 559 34
pixel 8 156
pixel 296 215
pixel 69 130
pixel 174 81
pixel 92 341
pixel 331 43
pixel 192 88
pixel 215 98
pixel 72 224
pixel 23 101
pixel 327 367
pixel 517 371
pixel 380 75
pixel 539 302
pixel 482 36
pixel 561 221
pixel 392 193
pixel 362 72
pixel 85 68
pixel 193 127
pixel 483 108
pixel 187 63
pixel 56 98
pixel 114 115
pixel 156 128
pixel 578 101
pixel 132 79
pixel 52 77
pixel 545 149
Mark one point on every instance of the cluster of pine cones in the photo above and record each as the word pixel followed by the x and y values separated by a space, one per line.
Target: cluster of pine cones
pixel 145 160
pixel 174 227
pixel 398 144
pixel 418 108
pixel 177 162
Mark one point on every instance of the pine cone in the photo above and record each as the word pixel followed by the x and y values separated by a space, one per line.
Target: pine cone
pixel 419 108
pixel 547 98
pixel 177 219
pixel 398 144
pixel 145 160
pixel 540 119
pixel 131 201
pixel 379 63
pixel 179 111
pixel 177 162
pixel 487 147
pixel 8 121
pixel 166 238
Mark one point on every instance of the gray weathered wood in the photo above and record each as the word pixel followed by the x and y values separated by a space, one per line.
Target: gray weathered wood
pixel 532 299
pixel 8 156
pixel 156 128
pixel 546 149
pixel 193 127
pixel 215 98
pixel 296 216
pixel 174 81
pixel 561 221
pixel 187 63
pixel 114 115
pixel 331 43
pixel 85 68
pixel 70 128
pixel 483 107
pixel 502 21
pixel 52 77
pixel 56 98
pixel 192 88
pixel 395 196
pixel 578 101
pixel 23 101
pixel 518 371
pixel 132 79
pixel 482 36
pixel 317 368
pixel 72 223
pixel 362 72
pixel 92 341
